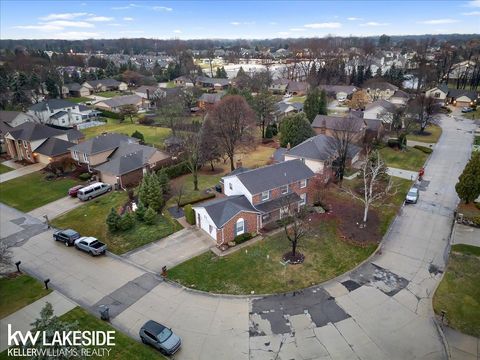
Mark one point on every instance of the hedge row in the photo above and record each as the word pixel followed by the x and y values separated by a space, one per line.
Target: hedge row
pixel 176 170
pixel 189 214
pixel 424 149
pixel 111 114
pixel 196 200
pixel 242 238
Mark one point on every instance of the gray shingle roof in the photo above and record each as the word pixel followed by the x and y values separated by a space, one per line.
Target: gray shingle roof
pixel 59 114
pixel 8 116
pixel 273 176
pixel 456 93
pixel 337 123
pixel 54 147
pixel 31 131
pixel 320 147
pixel 222 210
pixel 211 98
pixel 386 105
pixel 122 100
pixel 380 85
pixel 74 135
pixel 74 86
pixel 400 94
pixel 279 154
pixel 104 142
pixel 349 89
pixel 106 82
pixel 53 104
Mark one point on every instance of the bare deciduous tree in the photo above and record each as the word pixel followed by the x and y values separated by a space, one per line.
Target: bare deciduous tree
pixel 376 184
pixel 234 124
pixel 423 109
pixel 296 227
pixel 192 154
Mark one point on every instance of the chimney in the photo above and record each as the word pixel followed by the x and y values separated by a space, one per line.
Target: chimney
pixel 289 146
pixel 148 94
pixel 238 164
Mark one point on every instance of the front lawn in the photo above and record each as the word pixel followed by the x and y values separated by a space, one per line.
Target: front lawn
pixel 18 292
pixel 154 135
pixel 111 94
pixel 80 99
pixel 258 157
pixel 125 347
pixel 300 99
pixel 31 191
pixel 205 181
pixel 258 267
pixel 459 294
pixel 4 169
pixel 89 220
pixel 409 159
pixel 431 135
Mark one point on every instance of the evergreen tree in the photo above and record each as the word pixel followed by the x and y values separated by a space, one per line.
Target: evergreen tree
pixel 150 216
pixel 468 186
pixel 111 70
pixel 353 76
pixel 368 73
pixel 138 135
pixel 311 106
pixel 126 222
pixel 322 108
pixel 52 88
pixel 113 220
pixel 241 72
pixel 164 181
pixel 150 192
pixel 378 73
pixel 140 212
pixel 221 73
pixel 295 129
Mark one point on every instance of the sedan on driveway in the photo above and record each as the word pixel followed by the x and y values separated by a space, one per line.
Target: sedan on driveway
pixel 67 236
pixel 74 190
pixel 91 245
pixel 160 337
pixel 412 196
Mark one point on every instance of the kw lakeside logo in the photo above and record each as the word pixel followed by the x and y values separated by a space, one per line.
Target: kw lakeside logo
pixel 63 344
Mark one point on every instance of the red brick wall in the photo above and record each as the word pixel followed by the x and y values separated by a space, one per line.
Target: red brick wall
pixel 228 230
pixel 276 193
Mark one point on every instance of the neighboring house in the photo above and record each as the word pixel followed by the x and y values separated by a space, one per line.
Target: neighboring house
pixel 207 101
pixel 319 152
pixel 96 151
pixel 462 98
pixel 77 90
pixel 213 83
pixel 127 164
pixel 380 110
pixel 381 90
pixel 105 85
pixel 115 104
pixel 33 142
pixel 183 81
pixel 339 92
pixel 439 92
pixel 375 130
pixel 299 88
pixel 399 98
pixel 150 92
pixel 75 136
pixel 279 86
pixel 60 112
pixel 333 125
pixel 283 109
pixel 254 199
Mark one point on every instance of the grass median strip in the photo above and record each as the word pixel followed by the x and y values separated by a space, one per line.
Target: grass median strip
pixel 409 159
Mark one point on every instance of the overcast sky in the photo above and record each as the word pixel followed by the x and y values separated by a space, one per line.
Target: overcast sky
pixel 233 19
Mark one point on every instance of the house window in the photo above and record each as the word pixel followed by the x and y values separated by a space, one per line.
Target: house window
pixel 28 155
pixel 25 144
pixel 240 227
pixel 230 186
pixel 85 157
pixel 303 183
pixel 284 189
pixel 75 155
pixel 265 217
pixel 283 212
pixel 303 199
pixel 210 228
pixel 265 195
pixel 437 94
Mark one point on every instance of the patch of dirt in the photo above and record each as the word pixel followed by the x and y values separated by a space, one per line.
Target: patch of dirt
pixel 294 260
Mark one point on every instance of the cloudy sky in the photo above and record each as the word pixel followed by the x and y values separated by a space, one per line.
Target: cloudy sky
pixel 233 19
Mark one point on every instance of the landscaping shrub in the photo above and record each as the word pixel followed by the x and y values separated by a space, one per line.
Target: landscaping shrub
pixel 176 170
pixel 268 132
pixel 140 212
pixel 202 198
pixel 113 220
pixel 424 149
pixel 242 238
pixel 126 222
pixel 164 181
pixel 111 114
pixel 50 176
pixel 393 143
pixel 189 214
pixel 150 216
pixel 146 120
pixel 138 135
pixel 85 176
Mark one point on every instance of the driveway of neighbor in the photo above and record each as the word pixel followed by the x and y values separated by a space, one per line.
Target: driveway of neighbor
pixel 56 208
pixel 463 234
pixel 172 250
pixel 401 173
pixel 25 170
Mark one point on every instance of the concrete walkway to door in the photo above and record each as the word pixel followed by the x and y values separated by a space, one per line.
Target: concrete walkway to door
pixel 56 208
pixel 25 170
pixel 172 250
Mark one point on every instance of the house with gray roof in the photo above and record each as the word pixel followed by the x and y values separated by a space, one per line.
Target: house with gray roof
pixel 255 198
pixel 77 90
pixel 380 110
pixel 60 112
pixel 284 108
pixel 105 85
pixel 335 125
pixel 115 104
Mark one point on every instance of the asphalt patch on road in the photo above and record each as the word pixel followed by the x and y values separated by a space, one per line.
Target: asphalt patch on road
pixel 315 302
pixel 351 285
pixel 31 227
pixel 128 294
pixel 383 279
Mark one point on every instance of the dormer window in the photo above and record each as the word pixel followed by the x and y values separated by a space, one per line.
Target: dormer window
pixel 303 183
pixel 284 189
pixel 230 186
pixel 265 195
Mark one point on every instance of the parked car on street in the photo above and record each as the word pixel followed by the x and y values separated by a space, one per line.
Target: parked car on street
pixel 67 236
pixel 74 190
pixel 412 196
pixel 160 337
pixel 467 110
pixel 93 190
pixel 91 245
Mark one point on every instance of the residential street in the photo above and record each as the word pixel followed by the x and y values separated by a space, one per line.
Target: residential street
pixel 380 311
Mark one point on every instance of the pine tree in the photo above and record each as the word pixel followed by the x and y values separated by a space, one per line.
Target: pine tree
pixel 52 88
pixel 311 105
pixel 140 212
pixel 150 216
pixel 295 129
pixel 113 220
pixel 468 186
pixel 241 72
pixel 323 104
pixel 164 181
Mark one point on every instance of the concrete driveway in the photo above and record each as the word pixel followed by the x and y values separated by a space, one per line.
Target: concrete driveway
pixel 25 170
pixel 172 250
pixel 56 208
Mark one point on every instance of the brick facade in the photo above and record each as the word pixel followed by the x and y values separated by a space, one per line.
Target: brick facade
pixel 227 232
pixel 277 192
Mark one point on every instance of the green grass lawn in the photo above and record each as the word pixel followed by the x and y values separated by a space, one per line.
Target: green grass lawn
pixel 459 293
pixel 31 191
pixel 388 209
pixel 242 272
pixel 300 99
pixel 18 292
pixel 473 115
pixel 205 181
pixel 125 347
pixel 110 94
pixel 89 220
pixel 154 135
pixel 4 169
pixel 81 99
pixel 409 159
pixel 476 140
pixel 434 134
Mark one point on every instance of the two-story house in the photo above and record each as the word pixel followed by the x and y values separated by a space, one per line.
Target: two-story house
pixel 336 125
pixel 255 198
pixel 60 112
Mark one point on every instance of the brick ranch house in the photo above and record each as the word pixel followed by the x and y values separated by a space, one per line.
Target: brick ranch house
pixel 255 198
